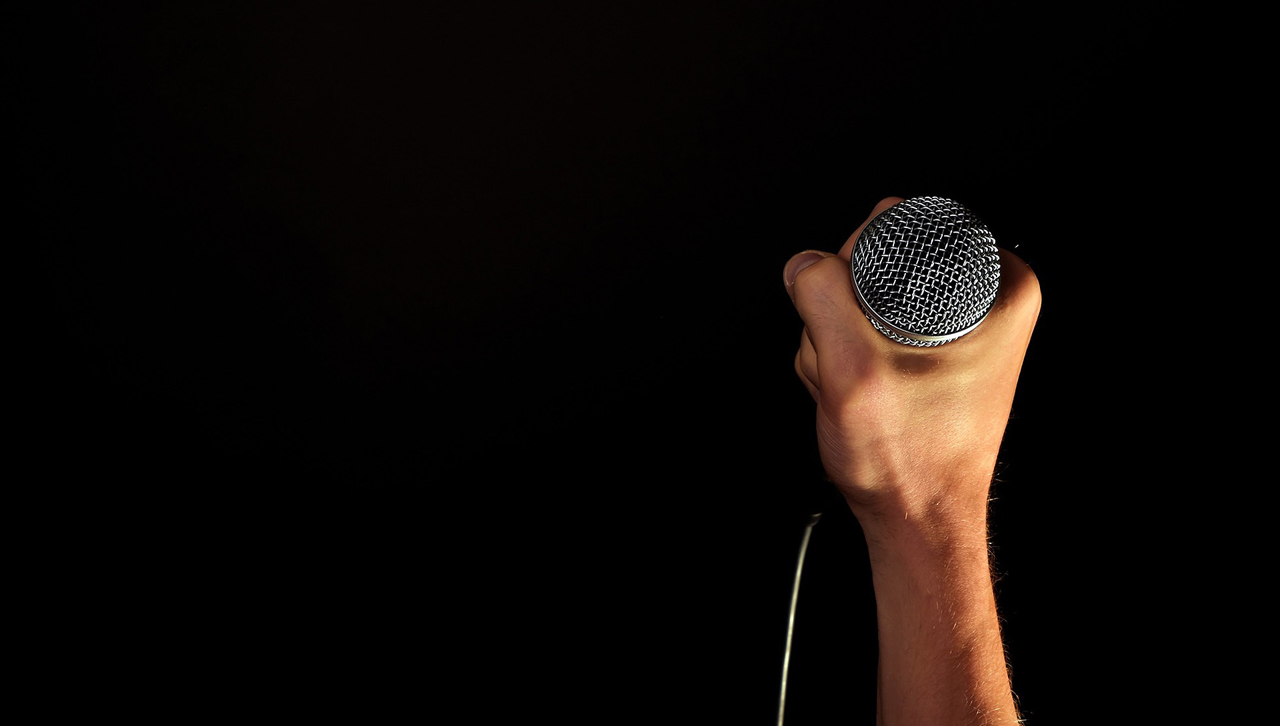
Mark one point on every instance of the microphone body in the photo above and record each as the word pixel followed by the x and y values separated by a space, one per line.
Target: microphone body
pixel 926 271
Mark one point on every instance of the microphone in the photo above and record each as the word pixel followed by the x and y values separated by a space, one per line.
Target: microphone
pixel 926 271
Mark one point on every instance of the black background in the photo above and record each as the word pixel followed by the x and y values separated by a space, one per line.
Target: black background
pixel 438 359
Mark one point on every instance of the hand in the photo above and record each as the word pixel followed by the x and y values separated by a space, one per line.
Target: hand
pixel 902 431
pixel 910 436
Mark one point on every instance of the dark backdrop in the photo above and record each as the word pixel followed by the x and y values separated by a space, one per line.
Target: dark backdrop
pixel 439 359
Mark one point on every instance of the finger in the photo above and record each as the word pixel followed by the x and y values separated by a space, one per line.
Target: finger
pixel 1019 286
pixel 842 339
pixel 823 294
pixel 807 365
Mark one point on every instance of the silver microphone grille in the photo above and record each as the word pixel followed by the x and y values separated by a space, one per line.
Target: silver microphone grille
pixel 926 271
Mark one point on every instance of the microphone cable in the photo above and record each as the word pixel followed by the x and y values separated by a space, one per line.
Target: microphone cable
pixel 791 615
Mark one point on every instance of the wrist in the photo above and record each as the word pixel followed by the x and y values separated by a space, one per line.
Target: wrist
pixel 951 545
pixel 952 510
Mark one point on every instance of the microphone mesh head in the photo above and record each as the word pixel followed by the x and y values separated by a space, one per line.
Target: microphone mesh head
pixel 926 271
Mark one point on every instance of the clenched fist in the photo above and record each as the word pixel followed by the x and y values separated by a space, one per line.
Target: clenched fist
pixel 905 430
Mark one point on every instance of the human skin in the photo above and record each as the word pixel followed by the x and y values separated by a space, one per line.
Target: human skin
pixel 910 436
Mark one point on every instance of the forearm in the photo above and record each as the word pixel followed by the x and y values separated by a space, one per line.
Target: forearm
pixel 942 659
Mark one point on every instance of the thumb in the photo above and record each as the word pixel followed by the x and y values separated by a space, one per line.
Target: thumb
pixel 798 263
